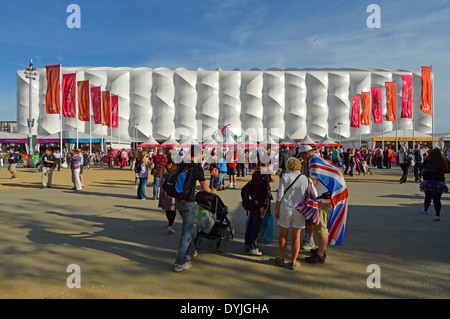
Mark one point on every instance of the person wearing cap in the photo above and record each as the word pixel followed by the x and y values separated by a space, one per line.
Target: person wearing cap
pixel 305 153
pixel 325 208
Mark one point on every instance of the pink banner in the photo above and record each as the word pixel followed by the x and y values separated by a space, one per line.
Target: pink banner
pixel 376 105
pixel 96 98
pixel 69 94
pixel 355 112
pixel 407 97
pixel 115 110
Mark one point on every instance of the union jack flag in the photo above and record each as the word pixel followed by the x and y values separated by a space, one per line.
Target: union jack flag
pixel 309 207
pixel 332 177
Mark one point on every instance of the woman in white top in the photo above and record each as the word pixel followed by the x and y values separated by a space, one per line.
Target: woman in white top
pixel 291 191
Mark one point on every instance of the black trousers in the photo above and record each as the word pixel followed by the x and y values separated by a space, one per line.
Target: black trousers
pixel 404 168
pixel 436 197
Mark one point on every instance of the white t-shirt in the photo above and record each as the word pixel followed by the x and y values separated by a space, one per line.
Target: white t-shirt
pixel 295 193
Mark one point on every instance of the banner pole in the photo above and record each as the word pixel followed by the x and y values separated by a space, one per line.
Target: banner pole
pixel 60 110
pixel 90 119
pixel 432 108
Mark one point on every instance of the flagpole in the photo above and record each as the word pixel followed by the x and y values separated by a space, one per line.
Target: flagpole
pixel 118 118
pixel 110 119
pixel 101 118
pixel 412 112
pixel 76 106
pixel 60 110
pixel 432 108
pixel 90 122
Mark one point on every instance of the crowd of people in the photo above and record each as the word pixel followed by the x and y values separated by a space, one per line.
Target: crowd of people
pixel 295 182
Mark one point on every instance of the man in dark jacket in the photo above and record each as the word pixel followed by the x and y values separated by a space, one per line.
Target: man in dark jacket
pixel 261 189
pixel 48 165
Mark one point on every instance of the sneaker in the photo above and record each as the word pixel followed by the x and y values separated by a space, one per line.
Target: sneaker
pixel 308 245
pixel 315 259
pixel 437 218
pixel 170 230
pixel 315 250
pixel 184 266
pixel 424 211
pixel 189 257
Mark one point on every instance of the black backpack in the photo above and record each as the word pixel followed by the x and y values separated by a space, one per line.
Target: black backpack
pixel 178 183
pixel 248 197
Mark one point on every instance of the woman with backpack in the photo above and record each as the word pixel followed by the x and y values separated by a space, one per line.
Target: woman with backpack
pixel 166 202
pixel 434 168
pixel 261 190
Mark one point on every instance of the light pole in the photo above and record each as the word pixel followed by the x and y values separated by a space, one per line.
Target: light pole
pixel 135 135
pixel 339 137
pixel 30 73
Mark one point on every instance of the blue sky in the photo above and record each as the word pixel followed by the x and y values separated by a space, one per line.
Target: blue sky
pixel 228 34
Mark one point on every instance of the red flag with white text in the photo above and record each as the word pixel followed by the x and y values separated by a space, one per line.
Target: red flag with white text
pixel 83 100
pixel 68 94
pixel 96 100
pixel 53 96
pixel 407 97
pixel 355 112
pixel 391 102
pixel 376 105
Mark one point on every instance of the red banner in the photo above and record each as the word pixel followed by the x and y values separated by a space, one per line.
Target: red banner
pixel 83 100
pixel 391 102
pixel 407 97
pixel 96 99
pixel 365 105
pixel 106 108
pixel 115 110
pixel 68 95
pixel 376 105
pixel 427 90
pixel 355 112
pixel 53 97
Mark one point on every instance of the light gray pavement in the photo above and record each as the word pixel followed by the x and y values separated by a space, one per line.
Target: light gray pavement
pixel 124 251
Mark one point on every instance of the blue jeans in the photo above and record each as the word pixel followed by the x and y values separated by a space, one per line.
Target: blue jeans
pixel 141 187
pixel 252 230
pixel 352 168
pixel 186 246
pixel 155 187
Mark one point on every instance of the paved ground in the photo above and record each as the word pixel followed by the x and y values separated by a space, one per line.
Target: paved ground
pixel 123 250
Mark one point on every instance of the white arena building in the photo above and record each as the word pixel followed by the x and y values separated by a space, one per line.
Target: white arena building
pixel 158 103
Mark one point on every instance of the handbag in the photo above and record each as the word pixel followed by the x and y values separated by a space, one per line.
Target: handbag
pixel 266 234
pixel 154 168
pixel 215 172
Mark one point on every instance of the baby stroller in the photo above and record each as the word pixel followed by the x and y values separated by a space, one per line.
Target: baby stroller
pixel 222 228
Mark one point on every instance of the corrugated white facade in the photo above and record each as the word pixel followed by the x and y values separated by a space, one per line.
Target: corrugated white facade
pixel 160 102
